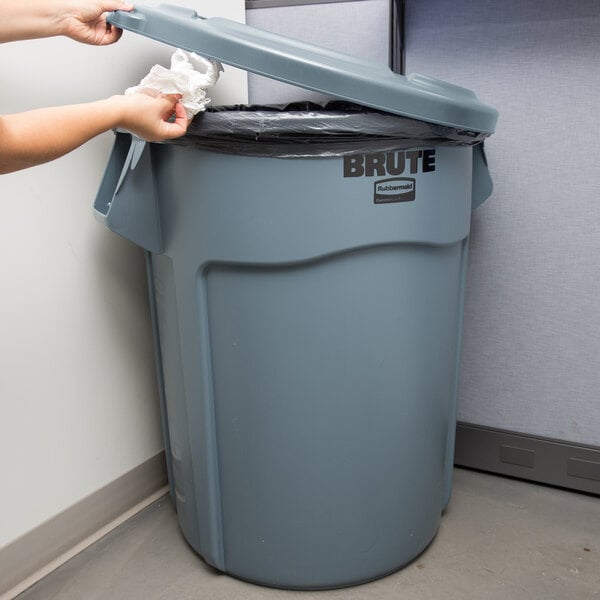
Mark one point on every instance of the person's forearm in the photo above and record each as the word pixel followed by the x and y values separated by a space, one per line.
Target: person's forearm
pixel 39 136
pixel 29 19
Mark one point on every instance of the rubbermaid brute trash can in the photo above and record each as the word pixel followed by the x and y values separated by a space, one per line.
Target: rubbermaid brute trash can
pixel 307 272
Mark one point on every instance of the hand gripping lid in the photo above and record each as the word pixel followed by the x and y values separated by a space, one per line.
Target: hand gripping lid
pixel 311 67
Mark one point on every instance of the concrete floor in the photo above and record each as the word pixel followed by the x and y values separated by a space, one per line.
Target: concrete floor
pixel 500 539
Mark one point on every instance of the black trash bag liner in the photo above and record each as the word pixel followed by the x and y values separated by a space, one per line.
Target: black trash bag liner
pixel 307 129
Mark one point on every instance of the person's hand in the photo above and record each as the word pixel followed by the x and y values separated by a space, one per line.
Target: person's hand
pixel 85 21
pixel 148 116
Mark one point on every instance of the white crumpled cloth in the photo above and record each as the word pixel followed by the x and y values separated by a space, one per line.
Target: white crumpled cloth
pixel 189 76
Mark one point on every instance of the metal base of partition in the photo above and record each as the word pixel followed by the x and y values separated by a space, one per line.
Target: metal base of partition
pixel 548 461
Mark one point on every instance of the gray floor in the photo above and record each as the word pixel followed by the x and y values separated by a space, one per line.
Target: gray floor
pixel 500 539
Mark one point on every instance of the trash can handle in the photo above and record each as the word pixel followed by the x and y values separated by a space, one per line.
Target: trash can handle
pixel 126 202
pixel 482 185
pixel 137 149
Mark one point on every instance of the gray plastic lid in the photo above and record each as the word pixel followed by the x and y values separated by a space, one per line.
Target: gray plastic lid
pixel 311 67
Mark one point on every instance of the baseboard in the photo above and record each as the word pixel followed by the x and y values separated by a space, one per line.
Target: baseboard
pixel 538 459
pixel 53 542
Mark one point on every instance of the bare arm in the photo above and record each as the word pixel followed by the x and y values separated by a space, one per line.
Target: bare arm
pixel 39 136
pixel 81 20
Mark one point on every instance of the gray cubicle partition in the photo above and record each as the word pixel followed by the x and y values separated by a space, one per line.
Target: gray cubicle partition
pixel 358 27
pixel 529 402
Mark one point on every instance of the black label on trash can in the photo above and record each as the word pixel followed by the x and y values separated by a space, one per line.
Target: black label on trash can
pixel 396 189
pixel 397 163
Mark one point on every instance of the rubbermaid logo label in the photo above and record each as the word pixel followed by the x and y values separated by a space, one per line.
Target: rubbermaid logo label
pixel 396 189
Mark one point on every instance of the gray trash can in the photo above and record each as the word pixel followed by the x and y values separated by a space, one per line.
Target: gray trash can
pixel 307 273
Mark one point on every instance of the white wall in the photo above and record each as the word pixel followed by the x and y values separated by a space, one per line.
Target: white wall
pixel 78 399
